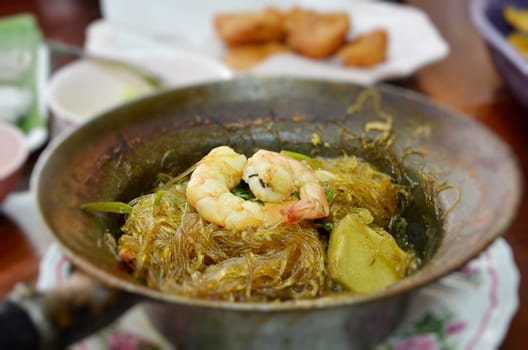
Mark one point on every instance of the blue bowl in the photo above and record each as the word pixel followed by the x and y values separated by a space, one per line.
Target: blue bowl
pixel 487 16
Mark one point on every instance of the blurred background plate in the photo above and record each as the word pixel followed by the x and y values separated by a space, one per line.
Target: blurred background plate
pixel 488 18
pixel 85 88
pixel 413 39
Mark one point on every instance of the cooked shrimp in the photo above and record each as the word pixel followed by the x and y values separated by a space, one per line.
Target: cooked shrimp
pixel 274 177
pixel 209 190
pixel 269 176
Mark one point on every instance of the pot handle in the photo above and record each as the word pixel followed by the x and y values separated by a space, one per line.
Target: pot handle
pixel 60 317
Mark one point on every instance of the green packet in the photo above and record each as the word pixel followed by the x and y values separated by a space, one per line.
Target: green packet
pixel 23 70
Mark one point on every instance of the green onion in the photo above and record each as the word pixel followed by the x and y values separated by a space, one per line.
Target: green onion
pixel 303 157
pixel 159 196
pixel 108 207
pixel 296 155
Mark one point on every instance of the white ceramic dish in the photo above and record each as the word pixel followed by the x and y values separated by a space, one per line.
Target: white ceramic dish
pixel 86 88
pixel 83 89
pixel 413 40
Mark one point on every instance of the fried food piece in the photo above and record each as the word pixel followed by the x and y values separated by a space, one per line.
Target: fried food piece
pixel 516 17
pixel 246 56
pixel 250 27
pixel 316 35
pixel 519 41
pixel 366 51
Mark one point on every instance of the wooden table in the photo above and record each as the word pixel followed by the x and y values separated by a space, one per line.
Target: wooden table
pixel 465 80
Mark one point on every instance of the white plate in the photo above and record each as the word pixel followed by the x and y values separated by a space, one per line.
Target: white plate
pixel 469 309
pixel 413 40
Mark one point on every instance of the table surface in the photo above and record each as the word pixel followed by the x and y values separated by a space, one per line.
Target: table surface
pixel 465 80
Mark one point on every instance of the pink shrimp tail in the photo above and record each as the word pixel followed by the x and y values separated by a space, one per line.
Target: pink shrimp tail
pixel 290 215
pixel 305 209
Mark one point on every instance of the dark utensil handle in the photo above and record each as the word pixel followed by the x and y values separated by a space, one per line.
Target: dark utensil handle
pixel 60 317
pixel 17 328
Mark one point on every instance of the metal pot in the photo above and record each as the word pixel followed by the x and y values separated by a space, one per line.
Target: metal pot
pixel 116 156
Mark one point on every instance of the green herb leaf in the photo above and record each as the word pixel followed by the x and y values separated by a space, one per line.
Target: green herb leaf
pixel 242 192
pixel 325 225
pixel 397 226
pixel 330 195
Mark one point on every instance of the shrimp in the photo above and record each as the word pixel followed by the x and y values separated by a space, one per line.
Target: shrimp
pixel 270 177
pixel 274 177
pixel 209 192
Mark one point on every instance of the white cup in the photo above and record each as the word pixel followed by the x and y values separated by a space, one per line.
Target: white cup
pixel 83 89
